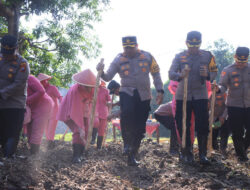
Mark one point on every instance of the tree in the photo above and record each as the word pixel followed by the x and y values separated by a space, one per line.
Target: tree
pixel 224 54
pixel 56 43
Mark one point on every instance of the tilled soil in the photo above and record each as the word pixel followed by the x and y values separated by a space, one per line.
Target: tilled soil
pixel 107 169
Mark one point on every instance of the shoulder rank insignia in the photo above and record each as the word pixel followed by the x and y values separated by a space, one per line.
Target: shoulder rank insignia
pixel 23 67
pixel 123 59
pixel 142 56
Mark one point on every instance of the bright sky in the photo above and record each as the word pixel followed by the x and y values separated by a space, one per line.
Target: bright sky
pixel 161 26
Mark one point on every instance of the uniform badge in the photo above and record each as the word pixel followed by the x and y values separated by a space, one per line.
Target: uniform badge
pixel 15 63
pixel 145 64
pixel 234 73
pixel 141 64
pixel 127 66
pixel 123 67
pixel 183 57
pixel 142 56
pixel 126 72
pixel 10 75
pixel 183 60
pixel 223 73
pixel 236 84
pixel 11 70
pixel 23 67
pixel 144 70
pixel 236 79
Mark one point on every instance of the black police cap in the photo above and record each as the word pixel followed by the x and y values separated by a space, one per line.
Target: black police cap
pixel 242 53
pixel 129 41
pixel 8 44
pixel 112 86
pixel 194 38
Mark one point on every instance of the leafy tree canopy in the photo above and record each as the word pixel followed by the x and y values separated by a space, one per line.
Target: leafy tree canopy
pixel 56 43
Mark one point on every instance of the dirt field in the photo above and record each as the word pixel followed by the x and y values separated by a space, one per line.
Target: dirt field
pixel 107 169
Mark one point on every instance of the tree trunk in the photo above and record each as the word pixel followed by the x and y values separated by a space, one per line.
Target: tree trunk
pixel 13 22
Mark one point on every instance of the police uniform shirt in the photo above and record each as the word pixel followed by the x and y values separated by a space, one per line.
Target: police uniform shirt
pixel 196 84
pixel 237 81
pixel 134 73
pixel 13 82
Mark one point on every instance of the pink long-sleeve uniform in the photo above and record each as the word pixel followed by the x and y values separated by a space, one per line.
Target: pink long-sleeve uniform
pixel 73 111
pixel 54 93
pixel 102 109
pixel 40 105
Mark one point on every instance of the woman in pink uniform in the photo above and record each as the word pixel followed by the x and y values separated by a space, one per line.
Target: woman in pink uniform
pixel 54 93
pixel 40 105
pixel 102 111
pixel 74 110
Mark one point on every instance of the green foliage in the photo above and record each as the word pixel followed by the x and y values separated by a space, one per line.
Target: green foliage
pixel 223 53
pixel 64 35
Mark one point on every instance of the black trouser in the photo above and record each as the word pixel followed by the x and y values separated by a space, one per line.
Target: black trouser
pixel 169 123
pixel 134 114
pixel 200 108
pixel 11 122
pixel 239 122
pixel 223 132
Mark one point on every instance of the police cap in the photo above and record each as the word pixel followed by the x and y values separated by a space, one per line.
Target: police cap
pixel 194 39
pixel 242 53
pixel 8 44
pixel 129 41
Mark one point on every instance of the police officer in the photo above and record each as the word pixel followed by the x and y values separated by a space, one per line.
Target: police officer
pixel 165 116
pixel 236 79
pixel 220 123
pixel 201 67
pixel 134 66
pixel 14 71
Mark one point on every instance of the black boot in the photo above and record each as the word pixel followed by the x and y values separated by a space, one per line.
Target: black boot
pixel 215 144
pixel 125 149
pixel 240 150
pixel 174 146
pixel 77 151
pixel 99 142
pixel 94 133
pixel 10 147
pixel 131 155
pixel 223 146
pixel 202 143
pixel 189 154
pixel 51 145
pixel 34 149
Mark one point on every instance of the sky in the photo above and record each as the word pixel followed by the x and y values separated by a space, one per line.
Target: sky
pixel 161 27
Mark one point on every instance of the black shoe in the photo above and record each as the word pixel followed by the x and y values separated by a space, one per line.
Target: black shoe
pixel 34 149
pixel 202 143
pixel 182 156
pixel 125 150
pixel 99 142
pixel 243 158
pixel 94 133
pixel 77 153
pixel 51 145
pixel 9 147
pixel 132 161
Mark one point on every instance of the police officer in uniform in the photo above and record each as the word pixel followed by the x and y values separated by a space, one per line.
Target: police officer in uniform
pixel 14 71
pixel 236 79
pixel 201 67
pixel 134 66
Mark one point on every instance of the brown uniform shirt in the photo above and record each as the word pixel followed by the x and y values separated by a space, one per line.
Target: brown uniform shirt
pixel 13 82
pixel 237 82
pixel 134 73
pixel 196 84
